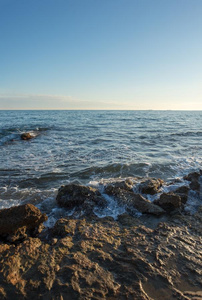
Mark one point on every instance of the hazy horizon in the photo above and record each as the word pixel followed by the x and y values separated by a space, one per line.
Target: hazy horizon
pixel 101 55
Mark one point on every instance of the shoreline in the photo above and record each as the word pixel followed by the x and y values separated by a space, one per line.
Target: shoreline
pixel 156 256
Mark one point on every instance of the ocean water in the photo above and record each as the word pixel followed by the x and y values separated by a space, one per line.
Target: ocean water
pixel 91 146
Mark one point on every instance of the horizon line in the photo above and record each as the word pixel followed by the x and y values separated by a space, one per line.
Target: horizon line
pixel 93 109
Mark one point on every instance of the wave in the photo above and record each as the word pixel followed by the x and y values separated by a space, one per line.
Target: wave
pixel 187 133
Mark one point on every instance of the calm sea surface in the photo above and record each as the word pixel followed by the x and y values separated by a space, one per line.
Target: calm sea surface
pixel 87 146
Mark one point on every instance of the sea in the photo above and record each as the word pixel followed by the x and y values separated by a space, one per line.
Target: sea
pixel 90 148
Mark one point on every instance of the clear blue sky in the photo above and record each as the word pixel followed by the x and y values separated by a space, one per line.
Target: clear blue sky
pixel 101 54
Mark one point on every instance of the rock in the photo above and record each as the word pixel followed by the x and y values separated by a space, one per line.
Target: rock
pixel 26 136
pixel 125 185
pixel 19 222
pixel 194 185
pixel 144 206
pixel 133 201
pixel 194 178
pixel 150 186
pixel 127 220
pixel 182 191
pixel 83 198
pixel 64 227
pixel 107 259
pixel 169 201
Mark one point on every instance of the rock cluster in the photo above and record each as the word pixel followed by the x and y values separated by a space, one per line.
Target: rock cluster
pixel 147 258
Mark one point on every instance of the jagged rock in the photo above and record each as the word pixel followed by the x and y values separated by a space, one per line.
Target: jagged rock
pixel 19 222
pixel 106 259
pixel 169 201
pixel 194 185
pixel 125 185
pixel 150 186
pixel 64 227
pixel 79 196
pixel 182 191
pixel 144 206
pixel 194 178
pixel 133 201
pixel 26 136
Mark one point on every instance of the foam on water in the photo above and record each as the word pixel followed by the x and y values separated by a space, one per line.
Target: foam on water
pixel 113 209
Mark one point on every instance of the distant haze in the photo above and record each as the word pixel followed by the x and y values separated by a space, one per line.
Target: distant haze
pixel 109 54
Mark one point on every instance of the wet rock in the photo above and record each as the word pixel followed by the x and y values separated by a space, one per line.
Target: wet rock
pixel 125 185
pixel 150 186
pixel 194 185
pixel 182 191
pixel 19 222
pixel 144 206
pixel 194 178
pixel 133 201
pixel 169 201
pixel 82 198
pixel 26 136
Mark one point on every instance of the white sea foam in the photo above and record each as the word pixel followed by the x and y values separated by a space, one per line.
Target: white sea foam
pixel 111 210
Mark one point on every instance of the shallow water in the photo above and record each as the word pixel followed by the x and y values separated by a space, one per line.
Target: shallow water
pixel 86 146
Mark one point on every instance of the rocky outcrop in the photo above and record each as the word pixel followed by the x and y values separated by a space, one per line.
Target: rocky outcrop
pixel 150 186
pixel 133 201
pixel 80 197
pixel 19 222
pixel 106 259
pixel 169 201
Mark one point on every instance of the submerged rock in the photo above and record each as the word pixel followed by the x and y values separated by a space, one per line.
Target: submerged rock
pixel 169 201
pixel 19 222
pixel 26 136
pixel 150 186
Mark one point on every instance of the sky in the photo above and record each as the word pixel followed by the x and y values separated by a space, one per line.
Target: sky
pixel 101 54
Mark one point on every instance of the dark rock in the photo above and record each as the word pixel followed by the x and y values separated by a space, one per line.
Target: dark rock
pixel 26 136
pixel 74 195
pixel 64 227
pixel 133 201
pixel 127 220
pixel 182 191
pixel 169 201
pixel 192 176
pixel 150 186
pixel 19 222
pixel 143 205
pixel 125 185
pixel 194 185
